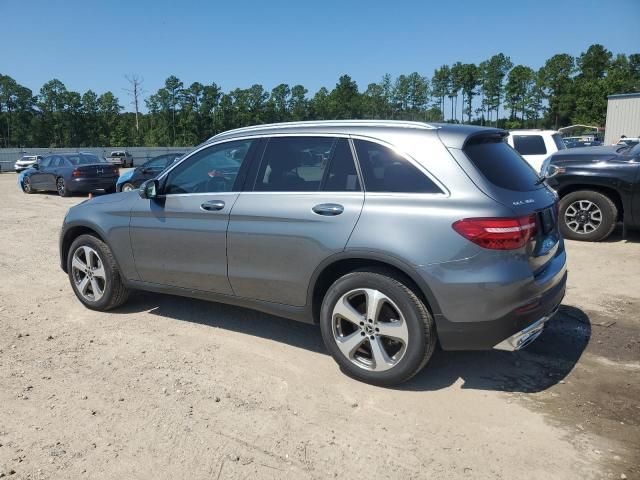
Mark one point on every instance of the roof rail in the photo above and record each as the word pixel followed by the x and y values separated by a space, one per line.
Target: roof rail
pixel 333 123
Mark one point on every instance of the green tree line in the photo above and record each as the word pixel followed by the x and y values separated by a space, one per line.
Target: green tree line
pixel 565 90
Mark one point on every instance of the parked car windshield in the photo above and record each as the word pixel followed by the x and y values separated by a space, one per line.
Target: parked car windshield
pixel 557 139
pixel 85 159
pixel 630 151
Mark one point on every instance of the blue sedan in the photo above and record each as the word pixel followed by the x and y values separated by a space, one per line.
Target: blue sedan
pixel 70 173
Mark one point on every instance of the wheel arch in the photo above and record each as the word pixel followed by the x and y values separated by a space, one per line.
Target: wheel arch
pixel 68 237
pixel 340 264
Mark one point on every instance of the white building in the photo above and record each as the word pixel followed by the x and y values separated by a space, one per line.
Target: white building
pixel 623 117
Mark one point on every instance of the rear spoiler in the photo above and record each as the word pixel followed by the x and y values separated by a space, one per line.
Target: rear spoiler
pixel 459 138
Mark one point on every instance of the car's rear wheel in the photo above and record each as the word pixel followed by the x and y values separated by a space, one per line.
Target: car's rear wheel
pixel 26 185
pixel 127 187
pixel 587 215
pixel 61 187
pixel 94 274
pixel 376 328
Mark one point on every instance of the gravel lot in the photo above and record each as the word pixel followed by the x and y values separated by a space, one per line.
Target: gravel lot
pixel 167 387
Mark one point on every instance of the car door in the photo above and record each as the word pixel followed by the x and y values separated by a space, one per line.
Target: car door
pixel 39 176
pixel 179 238
pixel 51 172
pixel 302 203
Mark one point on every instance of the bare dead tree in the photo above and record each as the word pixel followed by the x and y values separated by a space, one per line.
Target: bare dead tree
pixel 135 91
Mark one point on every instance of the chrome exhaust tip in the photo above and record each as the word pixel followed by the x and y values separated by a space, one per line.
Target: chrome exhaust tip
pixel 526 336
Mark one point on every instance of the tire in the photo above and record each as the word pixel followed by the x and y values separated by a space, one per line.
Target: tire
pixel 355 354
pixel 587 215
pixel 127 187
pixel 26 186
pixel 110 291
pixel 61 187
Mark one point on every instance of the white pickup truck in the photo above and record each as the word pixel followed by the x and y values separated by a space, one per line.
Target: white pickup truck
pixel 536 146
pixel 122 158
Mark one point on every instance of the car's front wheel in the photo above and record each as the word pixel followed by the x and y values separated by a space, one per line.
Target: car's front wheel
pixel 587 215
pixel 127 187
pixel 26 185
pixel 376 328
pixel 94 274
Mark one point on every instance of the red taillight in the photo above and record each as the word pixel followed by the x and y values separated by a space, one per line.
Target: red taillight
pixel 498 233
pixel 76 173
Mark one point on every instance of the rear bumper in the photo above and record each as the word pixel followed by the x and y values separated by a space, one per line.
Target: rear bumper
pixel 510 332
pixel 90 184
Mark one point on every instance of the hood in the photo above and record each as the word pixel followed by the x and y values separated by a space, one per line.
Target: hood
pixel 585 154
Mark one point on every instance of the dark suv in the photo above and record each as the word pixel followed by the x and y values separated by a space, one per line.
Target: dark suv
pixel 393 236
pixel 598 187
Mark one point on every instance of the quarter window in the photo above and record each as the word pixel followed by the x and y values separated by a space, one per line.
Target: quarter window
pixel 386 171
pixel 211 170
pixel 307 164
pixel 529 144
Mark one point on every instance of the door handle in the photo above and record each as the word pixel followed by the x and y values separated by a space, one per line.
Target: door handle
pixel 328 209
pixel 212 205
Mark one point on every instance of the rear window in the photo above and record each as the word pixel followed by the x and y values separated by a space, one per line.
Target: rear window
pixel 529 144
pixel 501 165
pixel 85 159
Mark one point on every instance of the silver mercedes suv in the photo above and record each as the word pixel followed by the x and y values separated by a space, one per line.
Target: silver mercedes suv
pixel 392 236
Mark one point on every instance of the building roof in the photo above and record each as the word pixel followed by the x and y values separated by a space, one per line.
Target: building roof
pixel 625 95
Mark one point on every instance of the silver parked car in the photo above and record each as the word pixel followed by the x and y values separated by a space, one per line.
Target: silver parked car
pixel 391 235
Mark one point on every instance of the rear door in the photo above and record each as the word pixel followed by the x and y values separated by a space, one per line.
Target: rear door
pixel 302 202
pixel 180 238
pixel 54 170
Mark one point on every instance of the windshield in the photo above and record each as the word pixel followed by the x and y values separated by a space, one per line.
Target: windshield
pixel 558 140
pixel 85 159
pixel 631 151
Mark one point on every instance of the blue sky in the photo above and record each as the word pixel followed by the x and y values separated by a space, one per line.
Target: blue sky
pixel 92 44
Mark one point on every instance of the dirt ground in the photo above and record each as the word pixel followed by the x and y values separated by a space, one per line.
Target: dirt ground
pixel 168 387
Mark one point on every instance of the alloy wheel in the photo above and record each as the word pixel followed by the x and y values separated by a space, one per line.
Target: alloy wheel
pixel 369 329
pixel 60 186
pixel 26 185
pixel 583 216
pixel 127 187
pixel 88 273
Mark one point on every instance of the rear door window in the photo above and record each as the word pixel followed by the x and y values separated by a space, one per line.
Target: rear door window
pixel 307 164
pixel 529 144
pixel 384 170
pixel 501 165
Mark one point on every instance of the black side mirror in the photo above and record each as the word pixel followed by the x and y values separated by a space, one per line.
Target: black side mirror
pixel 149 189
pixel 35 165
